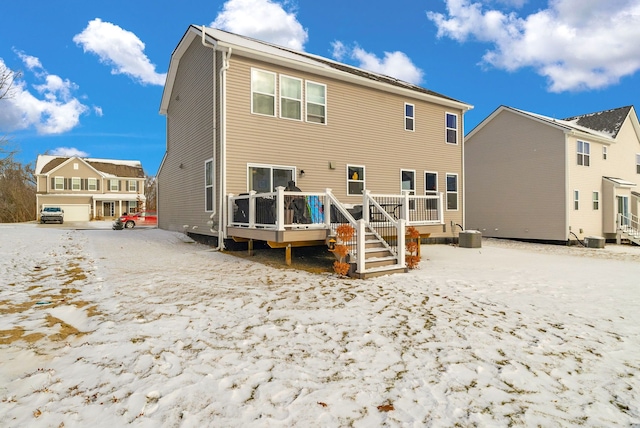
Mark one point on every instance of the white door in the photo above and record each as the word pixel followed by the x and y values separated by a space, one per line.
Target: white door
pixel 75 212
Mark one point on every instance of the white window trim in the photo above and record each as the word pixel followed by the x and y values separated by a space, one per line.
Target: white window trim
pixel 605 152
pixel 350 180
pixel 117 182
pixel 212 185
pixel 446 128
pixel 306 101
pixel 274 95
pixel 430 192
pixel 415 178
pixel 300 100
pixel 95 184
pixel 413 118
pixel 595 201
pixel 576 200
pixel 293 169
pixel 457 192
pixel 55 183
pixel 585 145
pixel 135 186
pixel 79 184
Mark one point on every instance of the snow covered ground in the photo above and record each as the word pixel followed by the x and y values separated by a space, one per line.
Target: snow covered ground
pixel 143 327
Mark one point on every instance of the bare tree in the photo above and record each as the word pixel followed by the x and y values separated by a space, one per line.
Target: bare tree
pixel 7 77
pixel 150 193
pixel 17 182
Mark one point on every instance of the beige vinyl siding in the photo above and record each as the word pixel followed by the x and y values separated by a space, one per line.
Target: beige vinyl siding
pixel 189 143
pixel 515 179
pixel 364 127
pixel 586 179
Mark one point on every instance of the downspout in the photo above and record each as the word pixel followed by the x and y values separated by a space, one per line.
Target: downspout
pixel 222 214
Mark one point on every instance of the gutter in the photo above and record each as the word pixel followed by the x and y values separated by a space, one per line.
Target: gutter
pixel 222 189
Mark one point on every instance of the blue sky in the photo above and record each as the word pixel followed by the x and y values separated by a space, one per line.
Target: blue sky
pixel 92 72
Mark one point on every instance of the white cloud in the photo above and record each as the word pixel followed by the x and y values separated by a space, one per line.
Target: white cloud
pixel 52 110
pixel 395 64
pixel 576 44
pixel 120 49
pixel 68 152
pixel 265 20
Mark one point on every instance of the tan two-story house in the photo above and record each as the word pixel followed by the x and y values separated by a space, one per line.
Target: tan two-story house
pixel 533 177
pixel 246 120
pixel 89 189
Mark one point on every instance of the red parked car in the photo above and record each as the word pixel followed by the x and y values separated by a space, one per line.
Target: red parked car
pixel 129 221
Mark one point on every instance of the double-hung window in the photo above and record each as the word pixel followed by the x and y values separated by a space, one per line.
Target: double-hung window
pixel 638 163
pixel 76 183
pixel 132 185
pixel 355 179
pixel 604 152
pixel 408 183
pixel 114 185
pixel 265 178
pixel 576 200
pixel 583 150
pixel 208 185
pixel 316 102
pixel 290 98
pixel 58 183
pixel 431 188
pixel 596 200
pixel 452 192
pixel 263 92
pixel 92 184
pixel 132 206
pixel 451 127
pixel 409 117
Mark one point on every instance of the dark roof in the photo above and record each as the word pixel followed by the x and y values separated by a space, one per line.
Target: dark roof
pixel 115 169
pixel 608 121
pixel 350 69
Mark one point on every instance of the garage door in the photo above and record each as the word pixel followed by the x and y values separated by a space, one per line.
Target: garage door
pixel 75 212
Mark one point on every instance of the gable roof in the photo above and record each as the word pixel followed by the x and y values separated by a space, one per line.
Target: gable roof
pixel 597 126
pixel 269 52
pixel 105 167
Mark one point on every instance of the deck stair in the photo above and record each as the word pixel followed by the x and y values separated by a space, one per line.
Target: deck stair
pixel 628 229
pixel 379 259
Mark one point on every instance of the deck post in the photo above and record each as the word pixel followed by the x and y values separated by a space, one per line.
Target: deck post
pixel 402 260
pixel 365 205
pixel 252 209
pixel 360 239
pixel 287 255
pixel 250 247
pixel 230 205
pixel 280 208
pixel 327 209
pixel 441 208
pixel 405 205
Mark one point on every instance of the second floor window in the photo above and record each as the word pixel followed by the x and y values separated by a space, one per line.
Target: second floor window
pixel 263 92
pixel 452 128
pixel 584 149
pixel 92 184
pixel 290 98
pixel 114 185
pixel 133 185
pixel 409 116
pixel 316 102
pixel 75 183
pixel 604 152
pixel 58 183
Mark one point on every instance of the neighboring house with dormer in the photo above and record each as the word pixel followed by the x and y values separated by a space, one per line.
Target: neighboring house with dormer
pixel 89 189
pixel 245 118
pixel 533 177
